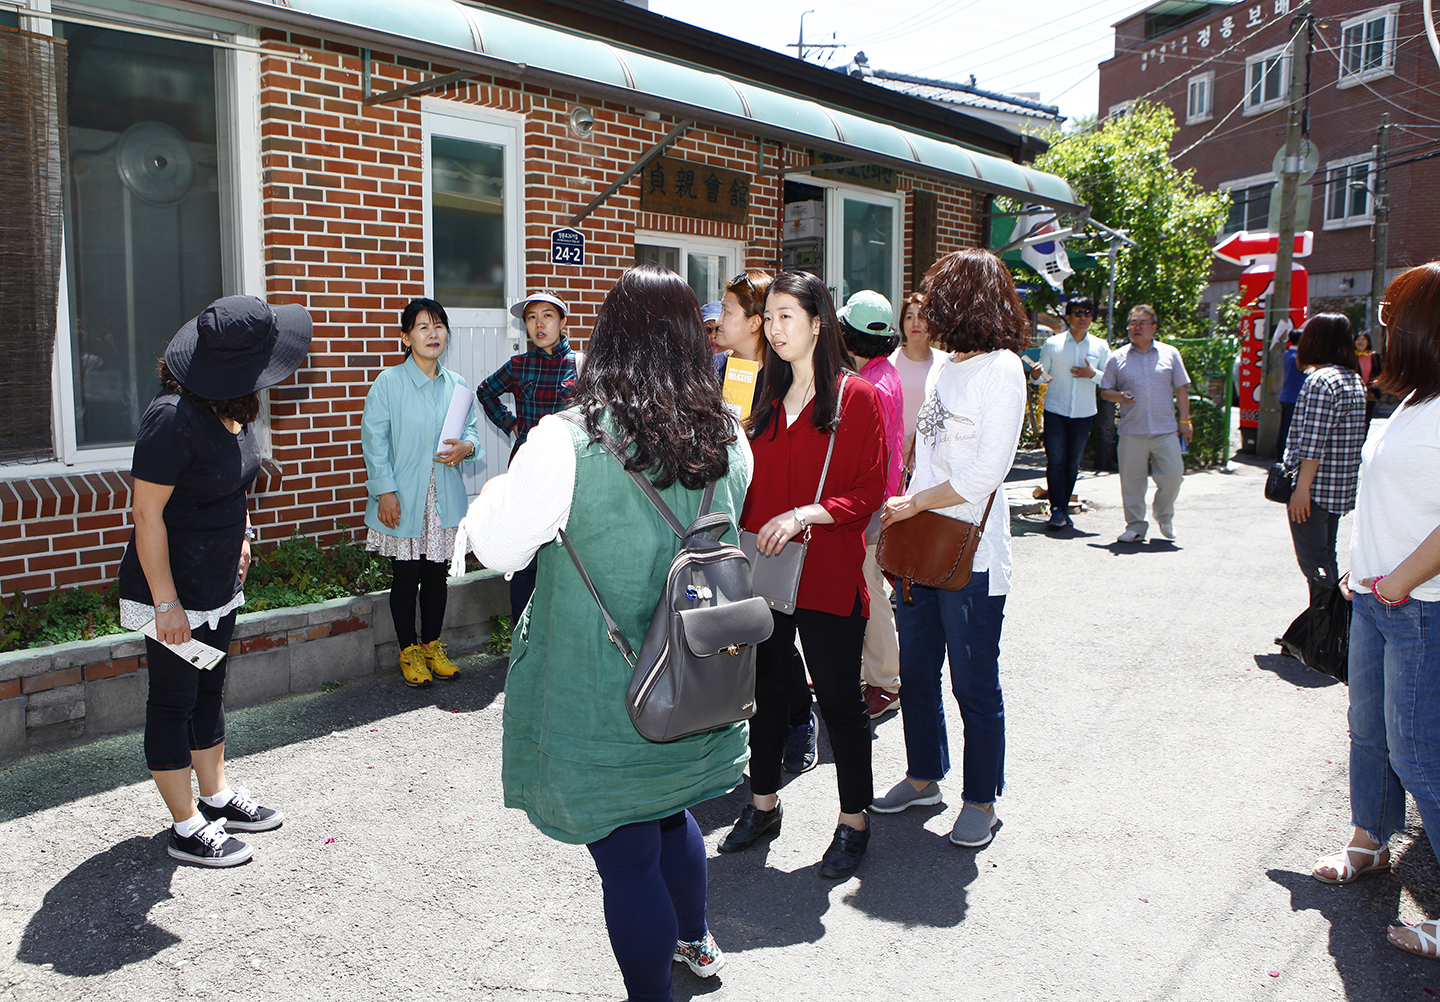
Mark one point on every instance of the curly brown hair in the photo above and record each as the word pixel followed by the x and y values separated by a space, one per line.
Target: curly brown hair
pixel 242 410
pixel 971 304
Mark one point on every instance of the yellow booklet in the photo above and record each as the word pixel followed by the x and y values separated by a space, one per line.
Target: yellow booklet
pixel 738 389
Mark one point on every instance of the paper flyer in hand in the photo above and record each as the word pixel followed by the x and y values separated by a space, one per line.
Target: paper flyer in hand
pixel 202 656
pixel 738 389
pixel 460 403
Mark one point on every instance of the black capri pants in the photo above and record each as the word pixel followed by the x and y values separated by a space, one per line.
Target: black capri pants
pixel 184 711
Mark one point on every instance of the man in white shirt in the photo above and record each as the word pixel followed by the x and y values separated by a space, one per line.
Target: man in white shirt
pixel 1142 378
pixel 1072 363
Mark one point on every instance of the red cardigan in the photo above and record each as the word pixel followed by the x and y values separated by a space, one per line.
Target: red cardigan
pixel 787 471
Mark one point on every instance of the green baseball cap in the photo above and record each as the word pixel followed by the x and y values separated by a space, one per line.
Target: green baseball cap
pixel 869 313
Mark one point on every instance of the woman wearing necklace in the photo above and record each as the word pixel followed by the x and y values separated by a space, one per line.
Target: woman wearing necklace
pixel 811 396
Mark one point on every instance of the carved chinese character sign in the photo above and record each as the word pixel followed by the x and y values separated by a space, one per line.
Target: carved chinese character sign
pixel 681 188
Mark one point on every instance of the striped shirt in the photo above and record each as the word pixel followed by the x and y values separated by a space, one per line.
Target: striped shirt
pixel 1153 376
pixel 1329 425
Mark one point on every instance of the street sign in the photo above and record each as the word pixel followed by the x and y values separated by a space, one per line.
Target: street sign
pixel 1303 193
pixel 1246 247
pixel 1304 164
pixel 567 246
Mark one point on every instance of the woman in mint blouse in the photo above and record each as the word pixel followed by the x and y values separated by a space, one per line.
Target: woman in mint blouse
pixel 416 496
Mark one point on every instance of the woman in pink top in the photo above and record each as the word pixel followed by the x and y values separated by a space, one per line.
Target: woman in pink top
pixel 913 360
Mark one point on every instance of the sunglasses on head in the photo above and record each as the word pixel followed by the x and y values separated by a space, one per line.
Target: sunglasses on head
pixel 744 276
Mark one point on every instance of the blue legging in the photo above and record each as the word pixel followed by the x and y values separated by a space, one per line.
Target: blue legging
pixel 653 875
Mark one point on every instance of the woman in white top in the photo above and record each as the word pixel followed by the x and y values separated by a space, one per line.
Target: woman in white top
pixel 965 439
pixel 913 360
pixel 1395 620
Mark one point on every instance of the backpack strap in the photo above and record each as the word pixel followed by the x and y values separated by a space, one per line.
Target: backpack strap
pixel 611 629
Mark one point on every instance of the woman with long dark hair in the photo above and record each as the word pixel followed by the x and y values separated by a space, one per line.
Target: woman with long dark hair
pixel 1395 617
pixel 811 397
pixel 572 760
pixel 965 438
pixel 1324 441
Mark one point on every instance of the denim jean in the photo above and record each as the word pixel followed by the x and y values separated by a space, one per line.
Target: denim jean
pixel 1314 541
pixel 966 623
pixel 1394 714
pixel 1065 439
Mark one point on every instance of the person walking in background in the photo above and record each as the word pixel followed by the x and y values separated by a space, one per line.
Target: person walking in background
pixel 1292 378
pixel 540 381
pixel 1324 444
pixel 185 565
pixel 1395 619
pixel 1143 377
pixel 1072 363
pixel 966 435
pixel 811 401
pixel 869 338
pixel 1371 367
pixel 416 497
pixel 572 760
pixel 913 361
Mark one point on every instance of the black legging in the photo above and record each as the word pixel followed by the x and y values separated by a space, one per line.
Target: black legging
pixel 427 579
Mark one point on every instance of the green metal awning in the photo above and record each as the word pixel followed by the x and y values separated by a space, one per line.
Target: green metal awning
pixel 486 41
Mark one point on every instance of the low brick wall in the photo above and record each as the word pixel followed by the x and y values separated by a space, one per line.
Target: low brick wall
pixel 94 687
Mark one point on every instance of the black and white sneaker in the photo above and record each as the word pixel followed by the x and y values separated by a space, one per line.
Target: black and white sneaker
pixel 243 814
pixel 210 846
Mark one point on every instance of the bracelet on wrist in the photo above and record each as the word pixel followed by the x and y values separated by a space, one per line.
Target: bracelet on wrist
pixel 166 606
pixel 1375 590
pixel 800 518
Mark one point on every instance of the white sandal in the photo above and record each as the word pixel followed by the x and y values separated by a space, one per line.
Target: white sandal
pixel 1429 944
pixel 1346 871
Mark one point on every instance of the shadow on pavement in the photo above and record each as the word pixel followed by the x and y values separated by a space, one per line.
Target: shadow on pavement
pixel 96 919
pixel 1292 671
pixel 1118 548
pixel 51 778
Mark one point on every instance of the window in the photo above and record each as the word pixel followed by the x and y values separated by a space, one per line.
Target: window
pixel 1200 99
pixel 866 227
pixel 1347 193
pixel 1117 110
pixel 1367 46
pixel 1267 80
pixel 1249 203
pixel 705 266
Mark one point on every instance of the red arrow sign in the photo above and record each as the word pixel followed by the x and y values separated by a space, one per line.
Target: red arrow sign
pixel 1246 246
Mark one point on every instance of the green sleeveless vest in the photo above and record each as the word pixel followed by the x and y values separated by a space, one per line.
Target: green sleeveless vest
pixel 572 760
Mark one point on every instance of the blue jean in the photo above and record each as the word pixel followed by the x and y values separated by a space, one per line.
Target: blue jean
pixel 1065 439
pixel 966 623
pixel 1394 714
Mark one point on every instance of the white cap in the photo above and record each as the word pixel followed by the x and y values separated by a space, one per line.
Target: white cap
pixel 518 310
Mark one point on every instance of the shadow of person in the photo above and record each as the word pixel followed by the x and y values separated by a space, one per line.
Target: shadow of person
pixel 1292 671
pixel 751 905
pixel 95 920
pixel 913 876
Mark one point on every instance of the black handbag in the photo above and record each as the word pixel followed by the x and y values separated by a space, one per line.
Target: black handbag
pixel 1280 483
pixel 1320 636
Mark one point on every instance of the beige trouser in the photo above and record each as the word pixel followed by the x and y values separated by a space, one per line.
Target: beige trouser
pixel 880 657
pixel 1159 457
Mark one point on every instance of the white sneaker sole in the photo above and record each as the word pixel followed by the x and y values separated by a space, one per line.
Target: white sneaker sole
pixel 214 862
pixel 989 834
pixel 701 972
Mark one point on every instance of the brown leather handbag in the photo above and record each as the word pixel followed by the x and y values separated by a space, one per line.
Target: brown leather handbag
pixel 930 549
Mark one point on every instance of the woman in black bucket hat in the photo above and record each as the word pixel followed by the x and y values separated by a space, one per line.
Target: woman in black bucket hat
pixel 195 458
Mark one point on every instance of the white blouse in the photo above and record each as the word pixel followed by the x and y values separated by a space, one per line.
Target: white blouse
pixel 1399 501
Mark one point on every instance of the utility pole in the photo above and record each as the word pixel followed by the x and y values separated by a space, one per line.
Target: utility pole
pixel 1381 235
pixel 799 45
pixel 1297 126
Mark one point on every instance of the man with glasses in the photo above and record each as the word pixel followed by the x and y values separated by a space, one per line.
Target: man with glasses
pixel 1072 363
pixel 1142 378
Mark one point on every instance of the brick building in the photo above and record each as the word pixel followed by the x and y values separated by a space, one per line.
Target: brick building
pixel 1224 70
pixel 349 156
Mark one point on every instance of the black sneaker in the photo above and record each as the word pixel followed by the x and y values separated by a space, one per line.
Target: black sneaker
pixel 210 846
pixel 242 814
pixel 800 746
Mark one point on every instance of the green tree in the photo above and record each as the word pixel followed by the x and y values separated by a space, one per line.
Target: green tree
pixel 1122 171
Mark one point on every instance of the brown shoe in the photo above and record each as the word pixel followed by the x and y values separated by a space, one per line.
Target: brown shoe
pixel 879 701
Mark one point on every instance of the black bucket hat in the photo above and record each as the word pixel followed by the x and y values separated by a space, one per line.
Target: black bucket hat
pixel 238 345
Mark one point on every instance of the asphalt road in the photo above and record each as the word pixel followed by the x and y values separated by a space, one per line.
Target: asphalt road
pixel 1171 781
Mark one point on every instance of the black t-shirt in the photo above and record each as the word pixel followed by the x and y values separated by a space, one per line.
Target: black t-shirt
pixel 189 448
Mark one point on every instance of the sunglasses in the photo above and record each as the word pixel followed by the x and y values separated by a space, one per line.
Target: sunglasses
pixel 744 276
pixel 1083 313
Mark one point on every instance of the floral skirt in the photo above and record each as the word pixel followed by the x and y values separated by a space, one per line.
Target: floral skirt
pixel 435 543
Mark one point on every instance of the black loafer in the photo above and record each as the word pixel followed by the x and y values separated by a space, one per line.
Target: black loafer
pixel 753 825
pixel 846 850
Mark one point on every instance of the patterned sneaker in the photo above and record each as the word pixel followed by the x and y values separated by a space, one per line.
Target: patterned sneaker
pixel 702 956
pixel 243 814
pixel 210 846
pixel 413 668
pixel 438 661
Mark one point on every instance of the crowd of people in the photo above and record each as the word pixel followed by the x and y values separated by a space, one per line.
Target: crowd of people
pixel 858 421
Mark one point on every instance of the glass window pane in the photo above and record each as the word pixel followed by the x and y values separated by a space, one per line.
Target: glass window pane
pixel 467 206
pixel 142 215
pixel 707 275
pixel 665 257
pixel 868 235
pixel 1359 190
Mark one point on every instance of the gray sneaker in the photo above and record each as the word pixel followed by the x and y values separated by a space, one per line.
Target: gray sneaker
pixel 903 795
pixel 973 826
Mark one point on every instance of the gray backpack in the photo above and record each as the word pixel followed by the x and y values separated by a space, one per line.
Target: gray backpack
pixel 696 667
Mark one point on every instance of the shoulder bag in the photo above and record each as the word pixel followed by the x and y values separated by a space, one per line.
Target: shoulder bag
pixel 931 549
pixel 1280 483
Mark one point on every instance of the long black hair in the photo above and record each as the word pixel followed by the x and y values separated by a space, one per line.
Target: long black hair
pixel 649 364
pixel 830 358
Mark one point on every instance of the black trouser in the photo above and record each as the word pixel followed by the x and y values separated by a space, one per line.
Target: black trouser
pixel 522 586
pixel 184 711
pixel 427 578
pixel 799 691
pixel 1065 439
pixel 1314 541
pixel 1287 413
pixel 832 650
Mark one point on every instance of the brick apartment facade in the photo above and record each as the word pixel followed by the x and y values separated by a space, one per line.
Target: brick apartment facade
pixel 336 204
pixel 1222 70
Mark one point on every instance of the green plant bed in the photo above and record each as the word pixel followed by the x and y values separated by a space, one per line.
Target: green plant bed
pixel 64 615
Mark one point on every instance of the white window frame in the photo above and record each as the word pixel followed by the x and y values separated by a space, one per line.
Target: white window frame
pixel 1361 219
pixel 834 235
pixel 1281 53
pixel 1391 16
pixel 1119 110
pixel 237 71
pixel 1254 180
pixel 686 244
pixel 1206 80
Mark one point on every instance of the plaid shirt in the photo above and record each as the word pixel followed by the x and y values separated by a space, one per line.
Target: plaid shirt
pixel 540 383
pixel 1329 425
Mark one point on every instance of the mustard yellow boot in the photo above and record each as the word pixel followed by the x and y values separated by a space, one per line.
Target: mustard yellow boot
pixel 413 669
pixel 438 661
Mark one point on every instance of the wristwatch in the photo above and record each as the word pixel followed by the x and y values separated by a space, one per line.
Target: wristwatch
pixel 166 606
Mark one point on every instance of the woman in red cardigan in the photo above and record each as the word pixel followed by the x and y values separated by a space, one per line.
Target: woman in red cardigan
pixel 810 394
